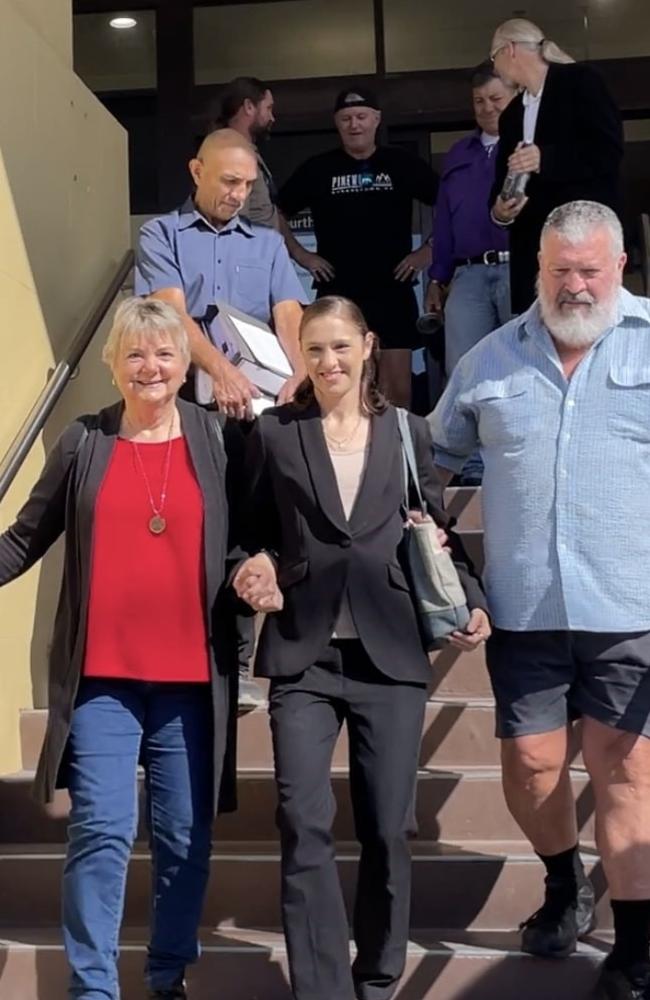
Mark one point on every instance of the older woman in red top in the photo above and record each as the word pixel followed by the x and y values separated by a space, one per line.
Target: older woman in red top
pixel 140 668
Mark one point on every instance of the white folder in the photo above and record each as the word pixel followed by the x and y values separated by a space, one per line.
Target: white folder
pixel 258 353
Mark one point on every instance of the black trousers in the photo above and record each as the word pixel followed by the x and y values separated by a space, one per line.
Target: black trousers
pixel 384 720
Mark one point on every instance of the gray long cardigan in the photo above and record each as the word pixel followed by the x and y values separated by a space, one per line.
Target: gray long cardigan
pixel 63 500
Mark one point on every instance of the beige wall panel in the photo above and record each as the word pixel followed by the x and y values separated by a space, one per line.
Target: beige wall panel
pixel 20 310
pixel 52 19
pixel 422 36
pixel 64 226
pixel 284 40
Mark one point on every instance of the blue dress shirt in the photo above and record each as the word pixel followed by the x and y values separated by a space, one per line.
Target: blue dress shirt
pixel 243 264
pixel 567 471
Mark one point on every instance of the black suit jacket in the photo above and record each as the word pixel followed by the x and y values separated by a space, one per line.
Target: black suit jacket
pixel 580 136
pixel 295 510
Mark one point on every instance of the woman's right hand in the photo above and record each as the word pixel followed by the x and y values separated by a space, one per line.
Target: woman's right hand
pixel 417 517
pixel 477 631
pixel 256 583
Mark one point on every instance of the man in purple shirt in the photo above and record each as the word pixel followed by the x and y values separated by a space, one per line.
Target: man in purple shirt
pixel 470 253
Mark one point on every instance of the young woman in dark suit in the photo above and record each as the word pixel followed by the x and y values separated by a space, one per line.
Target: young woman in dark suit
pixel 343 645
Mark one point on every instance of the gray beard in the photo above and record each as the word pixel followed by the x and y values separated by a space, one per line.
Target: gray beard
pixel 578 329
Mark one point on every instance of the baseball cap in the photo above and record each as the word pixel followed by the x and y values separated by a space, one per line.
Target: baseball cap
pixel 356 97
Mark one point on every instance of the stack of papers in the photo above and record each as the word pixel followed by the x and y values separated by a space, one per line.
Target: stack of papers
pixel 256 351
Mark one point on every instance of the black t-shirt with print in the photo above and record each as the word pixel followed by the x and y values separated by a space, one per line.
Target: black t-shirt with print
pixel 361 209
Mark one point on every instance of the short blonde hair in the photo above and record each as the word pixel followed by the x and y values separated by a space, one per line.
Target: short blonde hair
pixel 140 319
pixel 523 32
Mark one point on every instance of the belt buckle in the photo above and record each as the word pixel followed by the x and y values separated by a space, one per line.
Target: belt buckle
pixel 491 257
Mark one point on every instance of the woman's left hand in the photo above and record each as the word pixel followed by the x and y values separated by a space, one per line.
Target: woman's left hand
pixel 477 631
pixel 256 583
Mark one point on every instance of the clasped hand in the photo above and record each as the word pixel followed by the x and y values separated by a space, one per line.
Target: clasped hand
pixel 256 583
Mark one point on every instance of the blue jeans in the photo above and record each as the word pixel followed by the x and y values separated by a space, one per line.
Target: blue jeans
pixel 478 302
pixel 168 729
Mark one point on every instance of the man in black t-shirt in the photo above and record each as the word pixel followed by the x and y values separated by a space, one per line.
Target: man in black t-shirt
pixel 361 200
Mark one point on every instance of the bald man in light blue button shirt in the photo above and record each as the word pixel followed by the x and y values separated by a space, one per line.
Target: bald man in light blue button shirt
pixel 206 251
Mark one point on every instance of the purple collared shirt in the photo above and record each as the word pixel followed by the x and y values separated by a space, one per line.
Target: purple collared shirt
pixel 462 226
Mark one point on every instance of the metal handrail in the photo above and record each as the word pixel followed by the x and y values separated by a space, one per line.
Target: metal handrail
pixel 61 375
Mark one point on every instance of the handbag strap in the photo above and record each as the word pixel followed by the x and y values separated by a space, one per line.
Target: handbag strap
pixel 409 463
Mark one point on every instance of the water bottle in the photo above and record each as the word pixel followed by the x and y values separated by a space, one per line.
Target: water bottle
pixel 514 185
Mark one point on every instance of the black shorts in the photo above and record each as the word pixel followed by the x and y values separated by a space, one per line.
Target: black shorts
pixel 542 680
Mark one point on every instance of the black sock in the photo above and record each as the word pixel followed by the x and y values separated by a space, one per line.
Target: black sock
pixel 566 865
pixel 631 933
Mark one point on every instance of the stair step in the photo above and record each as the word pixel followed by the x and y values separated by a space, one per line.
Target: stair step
pixel 252 965
pixel 464 504
pixel 456 732
pixel 472 539
pixel 455 677
pixel 462 675
pixel 482 886
pixel 465 803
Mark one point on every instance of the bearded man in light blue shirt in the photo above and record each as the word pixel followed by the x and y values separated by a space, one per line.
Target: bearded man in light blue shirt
pixel 558 402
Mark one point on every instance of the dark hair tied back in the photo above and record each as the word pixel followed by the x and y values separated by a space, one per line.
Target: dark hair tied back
pixel 235 93
pixel 372 400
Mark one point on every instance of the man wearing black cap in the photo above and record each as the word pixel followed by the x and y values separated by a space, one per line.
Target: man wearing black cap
pixel 361 199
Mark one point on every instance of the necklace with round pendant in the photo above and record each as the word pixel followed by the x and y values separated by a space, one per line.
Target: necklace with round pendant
pixel 157 523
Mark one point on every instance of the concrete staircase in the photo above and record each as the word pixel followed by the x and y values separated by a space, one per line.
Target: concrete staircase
pixel 474 878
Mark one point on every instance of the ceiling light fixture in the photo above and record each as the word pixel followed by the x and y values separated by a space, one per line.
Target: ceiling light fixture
pixel 122 23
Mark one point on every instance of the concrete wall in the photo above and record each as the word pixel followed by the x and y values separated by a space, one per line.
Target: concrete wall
pixel 64 226
pixel 51 19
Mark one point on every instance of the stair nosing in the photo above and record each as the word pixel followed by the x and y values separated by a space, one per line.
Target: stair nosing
pixel 269 853
pixel 473 772
pixel 441 943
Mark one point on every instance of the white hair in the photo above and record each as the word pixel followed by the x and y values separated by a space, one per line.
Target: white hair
pixel 576 220
pixel 141 319
pixel 523 32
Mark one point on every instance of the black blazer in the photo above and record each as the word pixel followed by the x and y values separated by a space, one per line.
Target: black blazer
pixel 580 136
pixel 295 509
pixel 63 501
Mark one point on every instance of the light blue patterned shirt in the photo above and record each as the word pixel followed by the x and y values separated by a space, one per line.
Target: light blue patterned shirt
pixel 566 489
